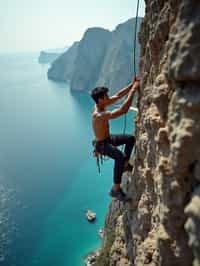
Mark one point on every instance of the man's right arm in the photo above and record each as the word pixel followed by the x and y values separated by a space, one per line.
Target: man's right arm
pixel 125 106
pixel 123 92
pixel 120 94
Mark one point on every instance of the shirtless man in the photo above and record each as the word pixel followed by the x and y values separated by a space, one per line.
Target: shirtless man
pixel 105 143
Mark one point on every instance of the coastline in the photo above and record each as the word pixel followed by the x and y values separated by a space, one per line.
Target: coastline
pixel 91 257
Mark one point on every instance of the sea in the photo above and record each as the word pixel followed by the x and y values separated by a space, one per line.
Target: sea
pixel 48 175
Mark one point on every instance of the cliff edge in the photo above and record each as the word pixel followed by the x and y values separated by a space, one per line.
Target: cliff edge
pixel 161 226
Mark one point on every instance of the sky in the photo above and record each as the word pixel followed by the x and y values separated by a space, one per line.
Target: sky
pixel 34 25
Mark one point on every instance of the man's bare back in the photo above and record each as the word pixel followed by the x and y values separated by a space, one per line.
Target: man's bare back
pixel 100 124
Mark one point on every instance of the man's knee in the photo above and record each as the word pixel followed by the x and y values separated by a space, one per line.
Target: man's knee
pixel 131 140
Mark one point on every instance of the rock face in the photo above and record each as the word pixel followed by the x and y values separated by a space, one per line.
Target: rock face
pixel 62 68
pixel 102 58
pixel 161 226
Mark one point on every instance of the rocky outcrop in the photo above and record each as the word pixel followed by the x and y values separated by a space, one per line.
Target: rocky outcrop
pixel 102 58
pixel 47 58
pixel 161 225
pixel 63 67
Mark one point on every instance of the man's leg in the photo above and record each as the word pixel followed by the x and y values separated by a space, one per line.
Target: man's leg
pixel 118 156
pixel 121 139
pixel 111 151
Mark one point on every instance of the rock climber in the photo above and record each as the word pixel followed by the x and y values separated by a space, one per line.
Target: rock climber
pixel 106 143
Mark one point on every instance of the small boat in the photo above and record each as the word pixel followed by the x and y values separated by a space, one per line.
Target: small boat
pixel 133 108
pixel 101 232
pixel 91 216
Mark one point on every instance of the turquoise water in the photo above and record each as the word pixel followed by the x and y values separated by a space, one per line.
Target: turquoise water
pixel 48 176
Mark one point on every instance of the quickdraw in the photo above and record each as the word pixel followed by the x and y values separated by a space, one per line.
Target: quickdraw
pixel 98 153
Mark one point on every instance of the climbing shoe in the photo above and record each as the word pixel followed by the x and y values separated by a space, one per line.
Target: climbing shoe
pixel 119 194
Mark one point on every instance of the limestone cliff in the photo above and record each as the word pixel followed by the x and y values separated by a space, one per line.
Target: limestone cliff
pixel 89 58
pixel 117 68
pixel 63 67
pixel 102 58
pixel 161 225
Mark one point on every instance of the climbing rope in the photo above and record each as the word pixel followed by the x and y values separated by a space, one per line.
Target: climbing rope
pixel 135 38
pixel 134 58
pixel 100 158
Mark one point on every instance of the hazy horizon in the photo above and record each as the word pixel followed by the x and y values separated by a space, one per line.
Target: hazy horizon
pixel 31 25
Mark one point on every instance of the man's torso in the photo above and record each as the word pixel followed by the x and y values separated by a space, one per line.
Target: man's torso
pixel 100 124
